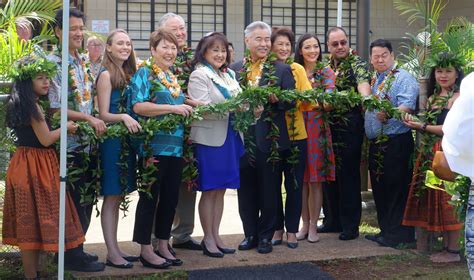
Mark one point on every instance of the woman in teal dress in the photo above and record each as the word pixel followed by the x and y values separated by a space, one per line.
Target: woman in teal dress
pixel 154 94
pixel 116 158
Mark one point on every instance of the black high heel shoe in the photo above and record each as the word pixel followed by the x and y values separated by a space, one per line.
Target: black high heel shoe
pixel 174 262
pixel 226 250
pixel 206 252
pixel 291 245
pixel 146 263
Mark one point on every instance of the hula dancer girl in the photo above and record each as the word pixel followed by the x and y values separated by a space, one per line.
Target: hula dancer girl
pixel 31 210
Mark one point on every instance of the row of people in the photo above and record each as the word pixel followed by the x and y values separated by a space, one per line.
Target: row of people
pixel 219 149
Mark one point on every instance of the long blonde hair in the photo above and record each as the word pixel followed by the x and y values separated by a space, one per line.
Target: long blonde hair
pixel 119 75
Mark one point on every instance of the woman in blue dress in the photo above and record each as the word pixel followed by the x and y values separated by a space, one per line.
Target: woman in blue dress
pixel 218 147
pixel 116 158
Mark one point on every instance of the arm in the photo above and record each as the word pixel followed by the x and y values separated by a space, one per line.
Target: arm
pixel 140 88
pixel 98 124
pixel 286 81
pixel 198 89
pixel 45 136
pixel 104 91
pixel 361 71
pixel 364 88
pixel 435 129
pixel 406 95
pixel 149 109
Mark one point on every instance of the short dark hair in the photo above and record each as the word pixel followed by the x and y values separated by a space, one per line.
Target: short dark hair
pixel 230 44
pixel 334 29
pixel 382 43
pixel 298 56
pixel 208 41
pixel 283 31
pixel 73 12
pixel 162 34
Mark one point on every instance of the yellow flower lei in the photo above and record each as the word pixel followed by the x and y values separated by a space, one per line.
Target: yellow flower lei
pixel 174 86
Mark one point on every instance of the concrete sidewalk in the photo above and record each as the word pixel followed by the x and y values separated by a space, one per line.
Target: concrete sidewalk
pixel 329 246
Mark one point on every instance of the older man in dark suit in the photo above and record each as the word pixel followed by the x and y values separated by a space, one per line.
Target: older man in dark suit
pixel 258 193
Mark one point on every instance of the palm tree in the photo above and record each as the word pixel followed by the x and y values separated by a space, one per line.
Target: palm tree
pixel 457 37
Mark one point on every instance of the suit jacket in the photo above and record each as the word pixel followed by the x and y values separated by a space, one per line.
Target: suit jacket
pixel 212 130
pixel 285 80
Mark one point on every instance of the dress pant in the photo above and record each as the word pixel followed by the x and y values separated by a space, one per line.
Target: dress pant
pixel 390 187
pixel 257 195
pixel 84 210
pixel 167 184
pixel 183 224
pixel 343 199
pixel 294 175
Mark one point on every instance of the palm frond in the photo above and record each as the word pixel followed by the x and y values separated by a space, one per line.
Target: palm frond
pixel 11 48
pixel 426 12
pixel 33 10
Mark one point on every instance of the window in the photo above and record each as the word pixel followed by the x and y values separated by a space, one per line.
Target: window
pixel 140 18
pixel 304 16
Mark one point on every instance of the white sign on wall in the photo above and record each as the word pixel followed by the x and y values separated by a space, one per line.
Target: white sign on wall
pixel 100 26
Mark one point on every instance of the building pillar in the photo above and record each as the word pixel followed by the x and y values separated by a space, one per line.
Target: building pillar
pixel 363 23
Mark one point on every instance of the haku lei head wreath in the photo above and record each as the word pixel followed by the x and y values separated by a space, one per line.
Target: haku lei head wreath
pixel 30 66
pixel 445 60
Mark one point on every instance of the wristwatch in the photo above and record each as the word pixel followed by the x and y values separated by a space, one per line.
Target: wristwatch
pixel 424 126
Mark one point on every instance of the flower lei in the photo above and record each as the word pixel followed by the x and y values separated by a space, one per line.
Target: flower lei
pixel 381 93
pixel 424 152
pixel 267 69
pixel 172 86
pixel 224 80
pixel 78 101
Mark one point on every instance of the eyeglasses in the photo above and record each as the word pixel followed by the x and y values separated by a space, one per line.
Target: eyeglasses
pixel 343 43
pixel 382 56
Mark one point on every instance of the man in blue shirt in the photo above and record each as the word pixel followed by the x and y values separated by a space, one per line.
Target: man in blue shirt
pixel 391 145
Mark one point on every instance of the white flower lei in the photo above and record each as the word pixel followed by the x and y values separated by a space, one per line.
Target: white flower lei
pixel 225 80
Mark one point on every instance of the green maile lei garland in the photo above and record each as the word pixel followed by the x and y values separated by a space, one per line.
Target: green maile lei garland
pixel 251 97
pixel 381 139
pixel 182 69
pixel 267 70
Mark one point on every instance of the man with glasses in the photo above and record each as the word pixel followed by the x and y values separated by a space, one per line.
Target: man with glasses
pixel 389 160
pixel 95 50
pixel 342 199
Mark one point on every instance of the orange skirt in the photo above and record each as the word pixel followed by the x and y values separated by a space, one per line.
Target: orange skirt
pixel 31 206
pixel 431 209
